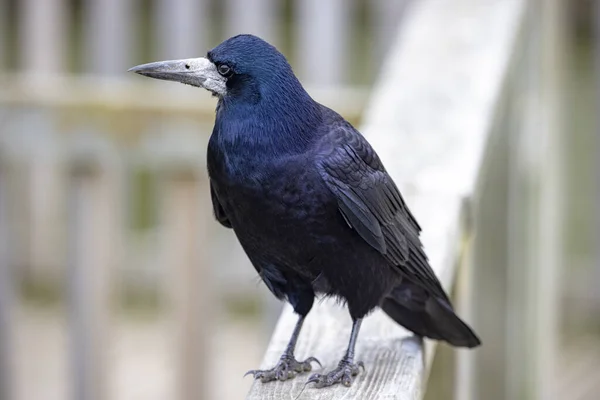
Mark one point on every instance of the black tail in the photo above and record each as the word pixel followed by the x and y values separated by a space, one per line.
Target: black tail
pixel 410 306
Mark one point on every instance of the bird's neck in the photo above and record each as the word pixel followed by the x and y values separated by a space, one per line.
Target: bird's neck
pixel 274 125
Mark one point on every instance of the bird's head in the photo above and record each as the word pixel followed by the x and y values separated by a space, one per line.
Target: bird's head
pixel 243 67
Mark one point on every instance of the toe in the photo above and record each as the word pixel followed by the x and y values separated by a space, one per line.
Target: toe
pixel 344 374
pixel 361 365
pixel 284 374
pixel 316 379
pixel 264 376
pixel 347 380
pixel 286 368
pixel 281 375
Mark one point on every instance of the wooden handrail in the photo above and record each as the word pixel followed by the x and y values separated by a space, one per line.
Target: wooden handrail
pixel 429 119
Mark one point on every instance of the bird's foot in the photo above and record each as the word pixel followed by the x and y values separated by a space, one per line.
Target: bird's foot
pixel 287 368
pixel 344 374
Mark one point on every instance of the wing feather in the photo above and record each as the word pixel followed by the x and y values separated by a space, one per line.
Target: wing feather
pixel 373 206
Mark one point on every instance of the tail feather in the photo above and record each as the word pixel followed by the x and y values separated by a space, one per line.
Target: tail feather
pixel 428 316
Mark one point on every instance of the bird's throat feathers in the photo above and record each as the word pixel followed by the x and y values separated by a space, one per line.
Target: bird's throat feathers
pixel 275 118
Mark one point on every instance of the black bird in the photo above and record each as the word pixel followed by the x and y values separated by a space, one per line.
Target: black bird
pixel 310 202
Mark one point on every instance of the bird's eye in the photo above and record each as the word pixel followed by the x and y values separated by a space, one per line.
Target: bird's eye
pixel 187 66
pixel 224 70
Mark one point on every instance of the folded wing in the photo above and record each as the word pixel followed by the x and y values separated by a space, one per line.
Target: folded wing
pixel 373 206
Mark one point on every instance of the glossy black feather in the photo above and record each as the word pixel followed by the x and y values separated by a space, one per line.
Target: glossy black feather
pixel 373 205
pixel 311 203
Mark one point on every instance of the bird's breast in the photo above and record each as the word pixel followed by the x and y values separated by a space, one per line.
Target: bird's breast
pixel 278 205
pixel 272 199
pixel 284 196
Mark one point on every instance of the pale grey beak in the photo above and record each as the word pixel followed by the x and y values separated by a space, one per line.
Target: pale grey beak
pixel 198 72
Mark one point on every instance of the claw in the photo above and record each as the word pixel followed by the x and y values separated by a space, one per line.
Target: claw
pixel 344 374
pixel 346 381
pixel 287 368
pixel 312 359
pixel 314 378
pixel 252 371
pixel 362 365
pixel 319 380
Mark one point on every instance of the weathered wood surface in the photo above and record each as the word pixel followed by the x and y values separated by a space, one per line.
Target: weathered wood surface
pixel 185 220
pixel 4 18
pixel 109 40
pixel 64 92
pixel 517 248
pixel 385 348
pixel 544 275
pixel 43 27
pixel 596 291
pixel 93 249
pixel 181 28
pixel 386 16
pixel 429 118
pixel 322 36
pixel 7 299
pixel 259 17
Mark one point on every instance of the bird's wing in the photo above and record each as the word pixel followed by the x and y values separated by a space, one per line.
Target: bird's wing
pixel 218 208
pixel 373 206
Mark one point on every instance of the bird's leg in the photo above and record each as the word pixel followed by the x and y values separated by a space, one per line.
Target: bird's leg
pixel 288 366
pixel 347 369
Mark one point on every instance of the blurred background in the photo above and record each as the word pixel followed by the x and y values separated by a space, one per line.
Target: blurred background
pixel 105 254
